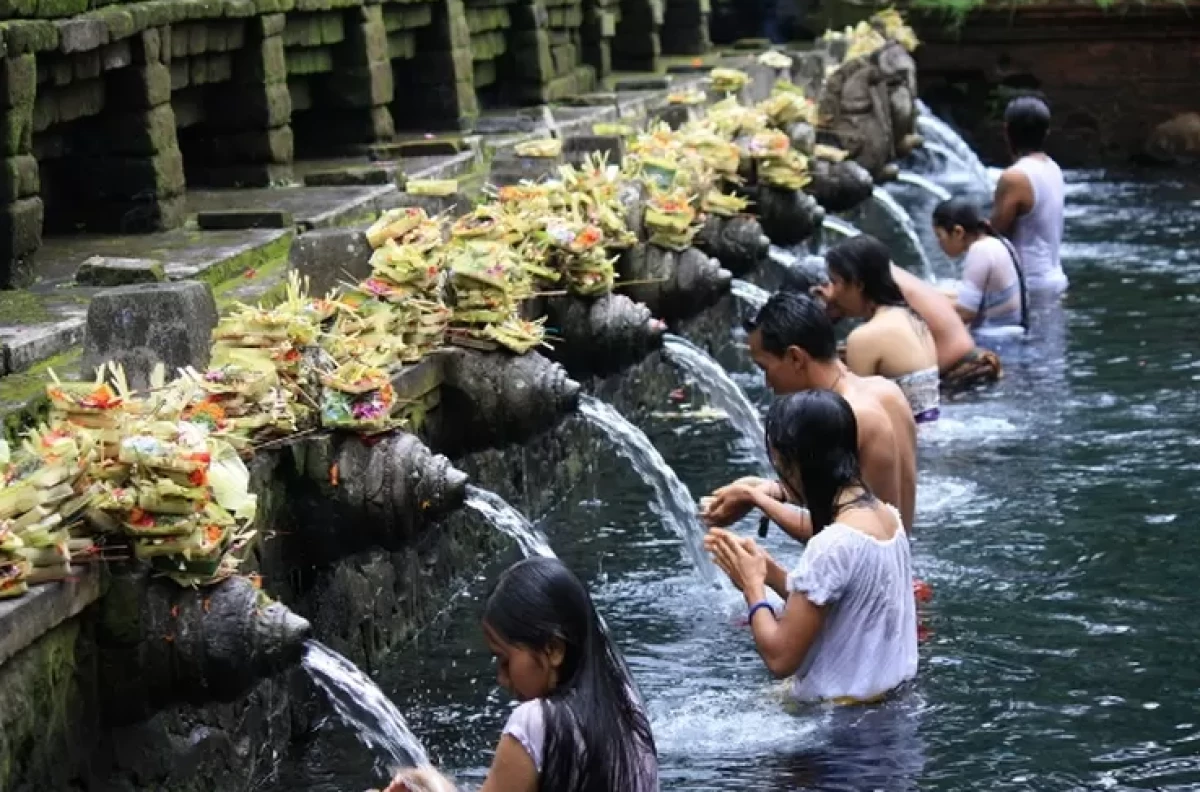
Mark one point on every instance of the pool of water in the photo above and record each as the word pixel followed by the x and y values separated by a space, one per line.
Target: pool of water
pixel 1056 526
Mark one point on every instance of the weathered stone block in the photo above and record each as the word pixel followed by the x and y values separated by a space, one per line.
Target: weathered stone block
pixel 273 145
pixel 20 235
pixel 84 65
pixel 147 46
pixel 77 100
pixel 142 131
pixel 18 81
pixel 116 55
pixel 197 39
pixel 160 176
pixel 144 325
pixel 272 25
pixel 107 271
pixel 333 30
pixel 530 17
pixel 361 176
pixel 264 62
pixel 140 87
pixel 21 36
pixel 236 219
pixel 329 256
pixel 18 130
pixel 576 148
pixel 256 107
pixel 16 9
pixel 19 178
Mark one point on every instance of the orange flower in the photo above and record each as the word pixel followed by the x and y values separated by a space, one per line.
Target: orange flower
pixel 255 580
pixel 213 533
pixel 333 474
pixel 198 478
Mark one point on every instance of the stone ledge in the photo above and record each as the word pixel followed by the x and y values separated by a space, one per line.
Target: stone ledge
pixel 25 619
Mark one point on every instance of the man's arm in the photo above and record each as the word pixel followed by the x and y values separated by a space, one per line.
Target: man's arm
pixel 1014 197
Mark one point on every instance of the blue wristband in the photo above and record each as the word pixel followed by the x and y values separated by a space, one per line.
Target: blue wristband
pixel 756 607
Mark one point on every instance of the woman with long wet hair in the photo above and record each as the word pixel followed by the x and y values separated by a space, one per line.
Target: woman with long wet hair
pixel 848 630
pixel 580 726
pixel 893 341
pixel 991 293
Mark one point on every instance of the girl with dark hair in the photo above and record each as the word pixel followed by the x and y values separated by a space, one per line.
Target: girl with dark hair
pixel 991 293
pixel 848 630
pixel 894 341
pixel 581 727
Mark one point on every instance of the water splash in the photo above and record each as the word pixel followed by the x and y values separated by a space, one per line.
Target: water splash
pixel 939 132
pixel 839 226
pixel 907 227
pixel 673 502
pixel 917 180
pixel 361 705
pixel 754 296
pixel 722 392
pixel 510 522
pixel 781 256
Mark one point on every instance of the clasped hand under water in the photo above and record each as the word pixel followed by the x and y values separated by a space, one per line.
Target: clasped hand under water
pixel 738 557
pixel 732 502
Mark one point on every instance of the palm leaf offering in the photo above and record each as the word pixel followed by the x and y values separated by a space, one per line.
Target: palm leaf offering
pixel 728 80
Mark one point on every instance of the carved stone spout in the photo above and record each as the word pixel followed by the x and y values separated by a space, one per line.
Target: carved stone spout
pixel 164 644
pixel 856 111
pixel 803 274
pixel 351 493
pixel 490 399
pixel 679 284
pixel 788 216
pixel 605 335
pixel 840 186
pixel 737 242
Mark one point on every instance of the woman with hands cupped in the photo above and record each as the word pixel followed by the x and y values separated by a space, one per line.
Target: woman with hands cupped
pixel 847 632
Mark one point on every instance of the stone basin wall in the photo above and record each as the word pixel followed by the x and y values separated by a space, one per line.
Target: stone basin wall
pixel 64 732
pixel 1111 75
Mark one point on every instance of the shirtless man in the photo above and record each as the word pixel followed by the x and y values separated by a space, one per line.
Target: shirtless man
pixel 793 342
pixel 962 364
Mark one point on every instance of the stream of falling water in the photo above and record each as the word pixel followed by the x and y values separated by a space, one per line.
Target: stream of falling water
pixel 928 185
pixel 722 392
pixel 939 133
pixel 507 520
pixel 839 226
pixel 754 296
pixel 673 502
pixel 361 705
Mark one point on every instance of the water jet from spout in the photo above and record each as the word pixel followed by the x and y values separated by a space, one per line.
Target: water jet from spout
pixel 754 296
pixel 510 522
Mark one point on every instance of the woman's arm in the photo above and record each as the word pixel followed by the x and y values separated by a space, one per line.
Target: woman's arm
pixel 796 523
pixel 512 769
pixel 783 643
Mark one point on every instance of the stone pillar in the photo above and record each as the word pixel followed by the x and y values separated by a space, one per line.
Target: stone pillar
pixel 599 26
pixel 436 90
pixel 637 45
pixel 685 28
pixel 136 179
pixel 350 105
pixel 21 209
pixel 529 67
pixel 252 142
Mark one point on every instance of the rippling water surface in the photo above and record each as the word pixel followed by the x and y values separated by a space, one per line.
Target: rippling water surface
pixel 1057 527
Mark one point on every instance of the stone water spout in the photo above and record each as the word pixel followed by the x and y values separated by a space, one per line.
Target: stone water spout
pixel 679 284
pixel 352 494
pixel 788 216
pixel 602 336
pixel 737 242
pixel 800 273
pixel 839 186
pixel 491 399
pixel 162 644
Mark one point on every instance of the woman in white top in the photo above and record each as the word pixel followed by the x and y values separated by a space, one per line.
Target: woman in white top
pixel 580 726
pixel 848 630
pixel 991 294
pixel 894 341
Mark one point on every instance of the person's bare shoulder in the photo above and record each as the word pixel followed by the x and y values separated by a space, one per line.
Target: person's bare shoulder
pixel 890 399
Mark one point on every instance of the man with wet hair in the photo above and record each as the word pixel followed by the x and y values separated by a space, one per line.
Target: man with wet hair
pixel 792 341
pixel 1028 205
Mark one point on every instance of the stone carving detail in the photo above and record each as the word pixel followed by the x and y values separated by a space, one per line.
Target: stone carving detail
pixel 788 216
pixel 163 644
pixel 680 284
pixel 899 72
pixel 856 111
pixel 605 335
pixel 737 242
pixel 839 186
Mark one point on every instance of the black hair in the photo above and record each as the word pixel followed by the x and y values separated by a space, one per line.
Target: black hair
pixel 865 261
pixel 597 735
pixel 961 211
pixel 1026 123
pixel 815 436
pixel 794 319
pixel 966 213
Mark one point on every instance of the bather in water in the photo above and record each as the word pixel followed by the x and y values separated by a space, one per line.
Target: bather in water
pixel 894 341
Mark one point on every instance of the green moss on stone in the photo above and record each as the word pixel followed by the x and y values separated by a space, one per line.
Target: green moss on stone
pixel 29 35
pixel 53 9
pixel 24 308
pixel 23 402
pixel 257 258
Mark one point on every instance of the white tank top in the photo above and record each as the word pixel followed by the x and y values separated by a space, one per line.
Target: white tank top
pixel 1037 235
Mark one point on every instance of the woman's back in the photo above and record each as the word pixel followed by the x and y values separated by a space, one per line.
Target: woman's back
pixel 863 578
pixel 990 284
pixel 896 343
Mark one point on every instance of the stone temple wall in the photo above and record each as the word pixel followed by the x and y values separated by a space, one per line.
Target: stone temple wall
pixel 111 111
